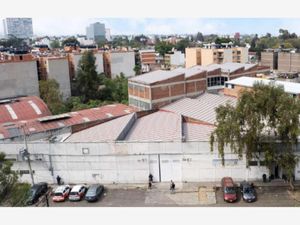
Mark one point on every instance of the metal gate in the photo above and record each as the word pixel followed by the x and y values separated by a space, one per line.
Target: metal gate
pixel 170 167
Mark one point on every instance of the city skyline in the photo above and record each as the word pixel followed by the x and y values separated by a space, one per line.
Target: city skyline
pixel 134 26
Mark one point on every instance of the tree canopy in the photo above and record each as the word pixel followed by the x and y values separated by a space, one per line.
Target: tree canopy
pixel 262 117
pixel 87 79
pixel 70 40
pixel 49 92
pixel 163 47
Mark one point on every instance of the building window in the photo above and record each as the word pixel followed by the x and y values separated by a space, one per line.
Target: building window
pixel 253 163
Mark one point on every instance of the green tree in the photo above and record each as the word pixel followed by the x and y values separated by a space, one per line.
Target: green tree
pixel 116 90
pixel 8 178
pixel 265 120
pixel 199 37
pixel 11 192
pixel 55 44
pixel 70 40
pixel 222 40
pixel 163 47
pixel 137 69
pixel 182 45
pixel 87 79
pixel 49 92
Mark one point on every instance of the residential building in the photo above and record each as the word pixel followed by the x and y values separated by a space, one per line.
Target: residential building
pixel 74 59
pixel 209 55
pixel 147 59
pixel 57 68
pixel 96 32
pixel 192 57
pixel 156 89
pixel 18 27
pixel 117 62
pixel 18 78
pixel 270 58
pixel 174 59
pixel 235 86
pixel 288 61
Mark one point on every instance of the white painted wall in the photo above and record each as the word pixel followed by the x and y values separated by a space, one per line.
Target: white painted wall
pixel 122 62
pixel 177 59
pixel 131 162
pixel 18 78
pixel 58 69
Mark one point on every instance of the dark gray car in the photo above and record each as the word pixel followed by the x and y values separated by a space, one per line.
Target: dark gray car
pixel 94 192
pixel 248 192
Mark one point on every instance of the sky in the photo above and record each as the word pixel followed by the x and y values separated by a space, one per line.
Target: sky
pixel 128 26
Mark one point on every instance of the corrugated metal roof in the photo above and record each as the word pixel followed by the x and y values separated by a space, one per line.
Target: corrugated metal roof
pixel 23 108
pixel 79 117
pixel 202 108
pixel 289 87
pixel 197 132
pixel 158 126
pixel 160 75
pixel 193 71
pixel 157 76
pixel 108 131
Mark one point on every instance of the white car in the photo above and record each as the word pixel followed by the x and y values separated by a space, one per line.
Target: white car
pixel 77 193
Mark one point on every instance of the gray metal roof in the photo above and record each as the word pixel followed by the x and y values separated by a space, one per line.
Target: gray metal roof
pixel 201 108
pixel 289 87
pixel 156 76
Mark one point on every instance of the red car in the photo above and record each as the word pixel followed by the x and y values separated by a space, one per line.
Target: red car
pixel 61 193
pixel 229 190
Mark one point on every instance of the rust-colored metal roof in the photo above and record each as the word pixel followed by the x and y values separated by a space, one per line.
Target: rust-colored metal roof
pixel 24 108
pixel 73 118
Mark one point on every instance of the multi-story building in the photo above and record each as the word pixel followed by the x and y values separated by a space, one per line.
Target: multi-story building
pixel 206 56
pixel 117 62
pixel 235 86
pixel 288 62
pixel 174 59
pixel 270 58
pixel 18 78
pixel 147 58
pixel 283 60
pixel 96 32
pixel 56 68
pixel 18 27
pixel 156 89
pixel 74 59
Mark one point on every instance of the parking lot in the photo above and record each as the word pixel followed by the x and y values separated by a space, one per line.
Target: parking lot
pixel 161 197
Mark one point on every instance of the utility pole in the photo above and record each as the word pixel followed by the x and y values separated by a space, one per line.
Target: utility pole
pixel 26 154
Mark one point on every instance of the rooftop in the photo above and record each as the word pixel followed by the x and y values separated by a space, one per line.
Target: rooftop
pixel 43 124
pixel 289 87
pixel 201 108
pixel 22 108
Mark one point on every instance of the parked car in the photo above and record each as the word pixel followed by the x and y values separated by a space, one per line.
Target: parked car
pixel 248 192
pixel 94 192
pixel 61 193
pixel 229 189
pixel 77 193
pixel 36 191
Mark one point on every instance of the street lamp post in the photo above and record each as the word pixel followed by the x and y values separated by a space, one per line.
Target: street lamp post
pixel 26 154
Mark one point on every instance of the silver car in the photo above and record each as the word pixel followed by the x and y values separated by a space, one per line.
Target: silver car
pixel 248 192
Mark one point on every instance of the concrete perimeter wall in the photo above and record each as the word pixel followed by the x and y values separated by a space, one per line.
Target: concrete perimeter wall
pixel 129 162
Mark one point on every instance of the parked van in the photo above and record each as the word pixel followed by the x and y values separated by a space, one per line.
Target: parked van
pixel 229 190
